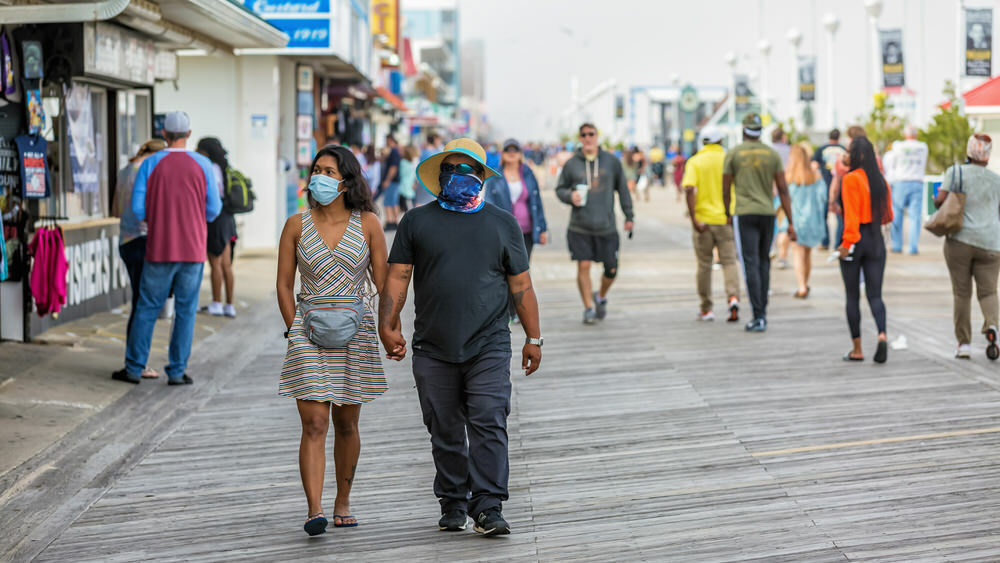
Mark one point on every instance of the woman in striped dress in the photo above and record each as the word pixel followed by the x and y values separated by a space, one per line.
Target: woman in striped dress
pixel 339 249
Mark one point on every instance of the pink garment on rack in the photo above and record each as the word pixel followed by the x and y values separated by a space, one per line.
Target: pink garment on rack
pixel 48 271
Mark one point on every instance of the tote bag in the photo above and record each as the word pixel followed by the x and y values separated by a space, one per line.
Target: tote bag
pixel 947 219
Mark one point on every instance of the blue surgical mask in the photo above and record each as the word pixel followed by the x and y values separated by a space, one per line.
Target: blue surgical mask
pixel 324 188
pixel 461 192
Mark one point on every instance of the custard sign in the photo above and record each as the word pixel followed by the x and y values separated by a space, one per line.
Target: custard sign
pixel 307 22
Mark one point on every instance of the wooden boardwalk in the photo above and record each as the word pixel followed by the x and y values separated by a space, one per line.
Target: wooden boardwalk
pixel 649 437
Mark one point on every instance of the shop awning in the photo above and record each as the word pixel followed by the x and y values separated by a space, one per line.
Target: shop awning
pixel 391 98
pixel 181 23
pixel 983 99
pixel 225 21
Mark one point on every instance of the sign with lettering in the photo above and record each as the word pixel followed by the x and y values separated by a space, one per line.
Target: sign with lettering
pixel 979 42
pixel 270 7
pixel 892 57
pixel 308 23
pixel 385 22
pixel 807 79
pixel 116 52
pixel 10 172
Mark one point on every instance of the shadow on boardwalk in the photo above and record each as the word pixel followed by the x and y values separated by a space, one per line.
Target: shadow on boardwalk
pixel 647 437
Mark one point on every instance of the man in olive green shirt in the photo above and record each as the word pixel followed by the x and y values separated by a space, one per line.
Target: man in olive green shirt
pixel 750 170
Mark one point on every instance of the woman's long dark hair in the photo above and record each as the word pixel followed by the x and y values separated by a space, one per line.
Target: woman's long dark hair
pixel 358 195
pixel 862 155
pixel 212 148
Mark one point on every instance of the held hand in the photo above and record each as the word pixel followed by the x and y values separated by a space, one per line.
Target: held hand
pixel 531 357
pixel 835 208
pixel 791 233
pixel 576 198
pixel 629 225
pixel 543 239
pixel 843 252
pixel 394 344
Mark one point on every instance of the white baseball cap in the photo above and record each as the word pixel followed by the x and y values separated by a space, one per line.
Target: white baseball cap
pixel 711 134
pixel 177 122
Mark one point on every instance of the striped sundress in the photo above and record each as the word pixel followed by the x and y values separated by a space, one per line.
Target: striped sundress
pixel 350 375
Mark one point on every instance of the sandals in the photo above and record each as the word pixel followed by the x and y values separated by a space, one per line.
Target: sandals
pixel 849 358
pixel 342 518
pixel 315 524
pixel 882 352
pixel 802 294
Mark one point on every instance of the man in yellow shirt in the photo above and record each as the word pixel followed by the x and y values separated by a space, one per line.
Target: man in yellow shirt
pixel 702 184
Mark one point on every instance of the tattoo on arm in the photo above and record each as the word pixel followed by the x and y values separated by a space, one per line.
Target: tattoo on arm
pixel 406 272
pixel 350 478
pixel 385 306
pixel 519 296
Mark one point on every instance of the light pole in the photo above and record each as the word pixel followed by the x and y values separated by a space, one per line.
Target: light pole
pixel 764 46
pixel 874 9
pixel 731 60
pixel 830 23
pixel 795 39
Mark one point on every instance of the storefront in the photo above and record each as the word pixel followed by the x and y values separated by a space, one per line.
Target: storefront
pixel 77 103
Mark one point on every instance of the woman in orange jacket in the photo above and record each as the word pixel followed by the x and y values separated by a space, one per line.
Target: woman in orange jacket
pixel 867 206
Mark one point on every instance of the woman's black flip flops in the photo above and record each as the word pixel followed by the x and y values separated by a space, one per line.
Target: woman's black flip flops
pixel 882 353
pixel 849 358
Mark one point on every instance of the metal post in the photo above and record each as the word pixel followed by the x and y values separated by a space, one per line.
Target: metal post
pixel 795 38
pixel 764 46
pixel 874 9
pixel 831 23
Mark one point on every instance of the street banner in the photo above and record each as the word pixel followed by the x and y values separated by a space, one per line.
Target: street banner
pixel 807 79
pixel 82 147
pixel 892 57
pixel 741 92
pixel 979 42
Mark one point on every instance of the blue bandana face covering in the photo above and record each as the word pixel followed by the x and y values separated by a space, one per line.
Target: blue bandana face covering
pixel 324 188
pixel 461 192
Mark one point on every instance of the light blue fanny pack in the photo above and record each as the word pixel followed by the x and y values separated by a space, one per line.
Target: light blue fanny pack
pixel 331 324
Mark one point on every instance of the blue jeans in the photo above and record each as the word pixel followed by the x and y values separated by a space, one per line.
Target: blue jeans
pixel 906 196
pixel 158 278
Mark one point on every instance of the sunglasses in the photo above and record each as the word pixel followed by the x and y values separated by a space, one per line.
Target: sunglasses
pixel 512 148
pixel 588 134
pixel 463 168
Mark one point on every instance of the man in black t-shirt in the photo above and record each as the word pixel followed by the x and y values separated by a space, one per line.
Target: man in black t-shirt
pixel 467 260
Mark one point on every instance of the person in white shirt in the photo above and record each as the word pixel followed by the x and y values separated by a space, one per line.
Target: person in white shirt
pixel 904 169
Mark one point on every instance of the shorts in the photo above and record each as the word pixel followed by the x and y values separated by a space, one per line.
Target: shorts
pixel 390 197
pixel 221 232
pixel 595 248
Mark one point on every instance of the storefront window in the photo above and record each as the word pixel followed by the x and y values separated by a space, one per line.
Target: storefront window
pixel 133 123
pixel 91 204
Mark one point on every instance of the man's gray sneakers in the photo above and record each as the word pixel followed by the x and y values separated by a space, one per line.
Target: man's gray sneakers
pixel 589 317
pixel 490 522
pixel 453 521
pixel 601 306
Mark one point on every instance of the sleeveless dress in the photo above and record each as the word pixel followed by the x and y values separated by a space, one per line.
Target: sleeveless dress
pixel 350 375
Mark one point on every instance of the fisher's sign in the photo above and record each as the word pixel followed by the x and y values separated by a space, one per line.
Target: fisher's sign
pixel 270 7
pixel 94 269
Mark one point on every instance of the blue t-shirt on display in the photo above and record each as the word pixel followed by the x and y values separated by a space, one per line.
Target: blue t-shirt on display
pixel 31 154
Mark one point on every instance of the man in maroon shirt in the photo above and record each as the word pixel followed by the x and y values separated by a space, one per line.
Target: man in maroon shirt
pixel 175 192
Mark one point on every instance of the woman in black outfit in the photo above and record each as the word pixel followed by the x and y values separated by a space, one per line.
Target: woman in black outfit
pixel 867 206
pixel 221 234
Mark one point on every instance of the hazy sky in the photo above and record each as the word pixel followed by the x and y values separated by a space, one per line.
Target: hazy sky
pixel 533 47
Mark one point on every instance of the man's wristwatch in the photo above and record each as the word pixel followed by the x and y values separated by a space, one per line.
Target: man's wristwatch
pixel 285 334
pixel 536 341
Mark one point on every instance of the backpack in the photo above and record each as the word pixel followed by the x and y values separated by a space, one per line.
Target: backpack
pixel 239 194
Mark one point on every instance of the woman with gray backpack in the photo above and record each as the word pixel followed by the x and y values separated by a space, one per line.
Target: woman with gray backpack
pixel 969 214
pixel 332 364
